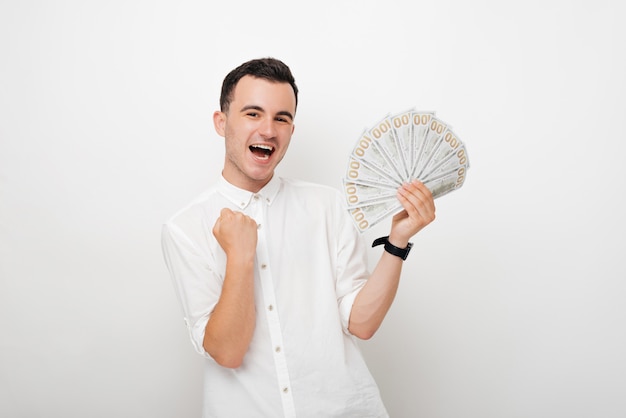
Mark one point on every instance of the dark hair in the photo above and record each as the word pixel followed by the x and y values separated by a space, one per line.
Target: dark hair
pixel 269 69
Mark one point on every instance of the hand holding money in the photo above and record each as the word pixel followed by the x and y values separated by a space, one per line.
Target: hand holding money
pixel 398 150
pixel 419 211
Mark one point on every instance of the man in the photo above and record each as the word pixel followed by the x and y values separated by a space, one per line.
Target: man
pixel 271 273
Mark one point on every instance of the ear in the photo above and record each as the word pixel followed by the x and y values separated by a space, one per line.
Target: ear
pixel 219 121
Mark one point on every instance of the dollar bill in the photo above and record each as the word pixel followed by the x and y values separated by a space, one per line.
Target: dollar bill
pixel 453 162
pixel 364 193
pixel 362 170
pixel 367 216
pixel 448 144
pixel 401 128
pixel 375 157
pixel 385 137
pixel 420 121
pixel 444 184
pixel 433 135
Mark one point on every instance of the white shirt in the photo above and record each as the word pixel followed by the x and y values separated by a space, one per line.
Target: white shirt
pixel 310 264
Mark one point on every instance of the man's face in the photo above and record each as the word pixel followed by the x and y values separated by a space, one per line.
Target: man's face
pixel 257 128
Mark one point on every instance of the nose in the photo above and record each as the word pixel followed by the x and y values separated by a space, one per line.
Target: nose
pixel 267 128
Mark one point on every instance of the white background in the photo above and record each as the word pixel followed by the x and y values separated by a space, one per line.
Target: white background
pixel 511 303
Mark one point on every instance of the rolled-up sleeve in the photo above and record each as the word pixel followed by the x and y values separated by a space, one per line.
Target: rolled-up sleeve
pixel 352 267
pixel 197 286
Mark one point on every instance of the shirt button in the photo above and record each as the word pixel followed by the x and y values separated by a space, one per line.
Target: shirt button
pixel 270 308
pixel 256 197
pixel 258 226
pixel 285 389
pixel 263 266
pixel 277 349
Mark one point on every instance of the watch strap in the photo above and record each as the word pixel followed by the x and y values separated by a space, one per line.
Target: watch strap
pixel 403 253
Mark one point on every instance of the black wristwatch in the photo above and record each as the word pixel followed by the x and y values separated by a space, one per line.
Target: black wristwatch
pixel 403 253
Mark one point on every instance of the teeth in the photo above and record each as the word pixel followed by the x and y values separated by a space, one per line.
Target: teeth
pixel 262 151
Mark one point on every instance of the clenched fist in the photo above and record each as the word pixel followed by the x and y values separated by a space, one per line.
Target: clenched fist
pixel 236 233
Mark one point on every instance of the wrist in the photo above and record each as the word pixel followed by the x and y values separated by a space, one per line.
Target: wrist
pixel 240 256
pixel 398 242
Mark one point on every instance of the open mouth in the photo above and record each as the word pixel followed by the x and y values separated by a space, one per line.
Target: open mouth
pixel 262 151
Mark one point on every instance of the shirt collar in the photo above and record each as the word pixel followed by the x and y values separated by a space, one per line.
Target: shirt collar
pixel 242 198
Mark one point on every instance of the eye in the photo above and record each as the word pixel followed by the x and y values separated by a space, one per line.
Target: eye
pixel 284 118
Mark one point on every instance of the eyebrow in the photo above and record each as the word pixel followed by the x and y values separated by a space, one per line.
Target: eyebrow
pixel 259 108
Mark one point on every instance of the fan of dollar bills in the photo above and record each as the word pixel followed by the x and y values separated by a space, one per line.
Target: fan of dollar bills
pixel 400 148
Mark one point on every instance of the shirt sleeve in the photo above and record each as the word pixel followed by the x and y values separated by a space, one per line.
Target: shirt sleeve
pixel 352 267
pixel 197 286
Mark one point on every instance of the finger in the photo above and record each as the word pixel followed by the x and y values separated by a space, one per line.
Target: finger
pixel 246 220
pixel 226 212
pixel 412 193
pixel 417 190
pixel 225 216
pixel 417 200
pixel 409 203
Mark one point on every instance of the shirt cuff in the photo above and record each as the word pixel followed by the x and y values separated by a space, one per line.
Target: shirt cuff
pixel 345 308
